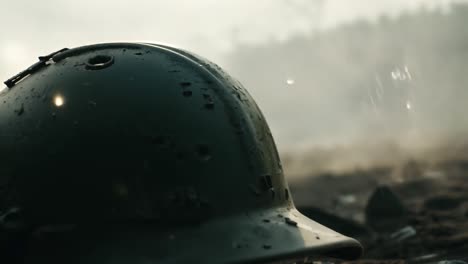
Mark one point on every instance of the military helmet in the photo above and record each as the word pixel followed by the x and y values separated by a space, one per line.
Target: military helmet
pixel 144 153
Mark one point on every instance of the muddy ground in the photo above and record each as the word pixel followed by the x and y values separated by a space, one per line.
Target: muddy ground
pixel 419 217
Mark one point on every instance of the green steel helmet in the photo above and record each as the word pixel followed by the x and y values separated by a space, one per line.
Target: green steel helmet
pixel 144 153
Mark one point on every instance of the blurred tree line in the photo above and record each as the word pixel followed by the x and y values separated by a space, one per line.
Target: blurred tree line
pixel 401 79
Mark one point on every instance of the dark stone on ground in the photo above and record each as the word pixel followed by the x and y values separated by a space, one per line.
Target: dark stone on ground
pixel 385 212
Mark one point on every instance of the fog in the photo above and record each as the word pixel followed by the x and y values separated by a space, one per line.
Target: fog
pixel 370 93
pixel 343 84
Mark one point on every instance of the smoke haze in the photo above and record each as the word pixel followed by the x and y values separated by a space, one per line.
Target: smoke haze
pixel 366 94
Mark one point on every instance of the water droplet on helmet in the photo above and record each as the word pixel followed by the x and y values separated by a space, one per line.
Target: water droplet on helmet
pixel 203 152
pixel 289 221
pixel 187 93
pixel 272 193
pixel 20 110
pixel 236 245
pixel 254 190
pixel 267 246
pixel 209 105
pixel 58 100
pixel 92 103
pixel 185 84
pixel 266 182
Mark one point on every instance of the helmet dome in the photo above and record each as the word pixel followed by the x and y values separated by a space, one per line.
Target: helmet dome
pixel 144 153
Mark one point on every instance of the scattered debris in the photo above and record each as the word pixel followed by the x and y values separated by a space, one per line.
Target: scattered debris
pixel 422 219
pixel 347 199
pixel 403 234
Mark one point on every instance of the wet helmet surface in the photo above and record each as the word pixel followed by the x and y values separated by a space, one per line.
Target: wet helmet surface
pixel 144 153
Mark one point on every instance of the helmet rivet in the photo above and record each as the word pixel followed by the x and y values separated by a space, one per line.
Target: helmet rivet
pixel 99 62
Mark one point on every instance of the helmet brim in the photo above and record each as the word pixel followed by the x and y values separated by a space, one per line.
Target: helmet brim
pixel 265 236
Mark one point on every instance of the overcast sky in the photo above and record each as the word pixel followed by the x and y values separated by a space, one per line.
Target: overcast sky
pixel 32 28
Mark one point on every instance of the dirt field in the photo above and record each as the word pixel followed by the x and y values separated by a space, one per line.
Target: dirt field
pixel 419 217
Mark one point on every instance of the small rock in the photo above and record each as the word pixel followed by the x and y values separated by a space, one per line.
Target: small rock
pixel 385 211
